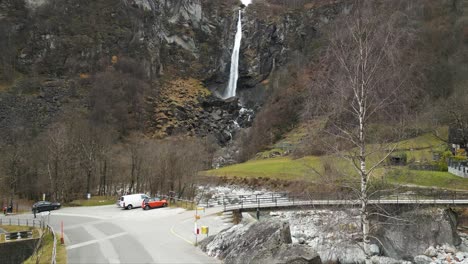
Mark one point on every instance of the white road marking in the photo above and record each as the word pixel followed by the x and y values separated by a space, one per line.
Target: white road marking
pixel 95 241
pixel 65 227
pixel 107 248
pixel 80 215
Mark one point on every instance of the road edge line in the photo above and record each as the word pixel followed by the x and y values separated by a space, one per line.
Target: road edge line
pixel 181 237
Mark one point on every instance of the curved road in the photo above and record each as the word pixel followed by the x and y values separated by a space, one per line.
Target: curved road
pixel 107 234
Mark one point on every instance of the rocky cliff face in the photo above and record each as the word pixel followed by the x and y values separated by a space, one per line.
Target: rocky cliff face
pixel 70 37
pixel 71 40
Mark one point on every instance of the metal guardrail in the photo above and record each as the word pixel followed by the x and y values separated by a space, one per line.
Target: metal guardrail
pixel 21 222
pixel 54 248
pixel 441 197
pixel 181 201
pixel 33 223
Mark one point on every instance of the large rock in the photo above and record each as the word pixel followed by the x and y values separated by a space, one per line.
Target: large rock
pixel 288 253
pixel 413 232
pixel 259 242
pixel 422 259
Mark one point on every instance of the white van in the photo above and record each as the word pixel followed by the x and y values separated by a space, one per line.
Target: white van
pixel 132 200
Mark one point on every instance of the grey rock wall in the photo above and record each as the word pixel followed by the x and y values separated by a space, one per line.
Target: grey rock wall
pixel 258 242
pixel 411 233
pixel 17 251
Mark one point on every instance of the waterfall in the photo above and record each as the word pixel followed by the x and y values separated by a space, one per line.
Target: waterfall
pixel 234 73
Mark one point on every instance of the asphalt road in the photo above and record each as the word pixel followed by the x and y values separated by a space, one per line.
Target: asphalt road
pixel 107 234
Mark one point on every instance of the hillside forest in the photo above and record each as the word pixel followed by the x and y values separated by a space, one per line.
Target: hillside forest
pixel 111 97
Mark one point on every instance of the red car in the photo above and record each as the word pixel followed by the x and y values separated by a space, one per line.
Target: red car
pixel 150 203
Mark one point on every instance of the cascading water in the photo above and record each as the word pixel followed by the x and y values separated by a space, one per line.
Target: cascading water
pixel 234 73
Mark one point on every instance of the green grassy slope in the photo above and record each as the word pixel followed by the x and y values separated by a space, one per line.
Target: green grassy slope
pixel 418 149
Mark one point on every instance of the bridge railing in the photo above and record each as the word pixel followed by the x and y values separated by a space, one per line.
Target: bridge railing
pixel 377 197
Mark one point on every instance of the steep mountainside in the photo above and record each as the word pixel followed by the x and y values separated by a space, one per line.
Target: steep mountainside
pixel 123 95
pixel 54 49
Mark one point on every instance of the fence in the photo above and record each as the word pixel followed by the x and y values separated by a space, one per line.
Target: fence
pixel 338 198
pixel 430 196
pixel 458 168
pixel 21 222
pixel 54 248
pixel 33 223
pixel 181 201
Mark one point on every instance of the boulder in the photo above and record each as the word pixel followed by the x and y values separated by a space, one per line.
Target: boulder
pixel 374 250
pixel 259 242
pixel 422 259
pixel 385 260
pixel 288 254
pixel 461 255
pixel 449 249
pixel 430 252
pixel 421 229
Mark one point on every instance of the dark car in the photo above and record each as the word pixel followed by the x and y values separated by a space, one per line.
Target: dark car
pixel 45 206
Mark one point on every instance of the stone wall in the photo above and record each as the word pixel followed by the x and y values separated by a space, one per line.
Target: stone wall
pixel 17 251
pixel 459 169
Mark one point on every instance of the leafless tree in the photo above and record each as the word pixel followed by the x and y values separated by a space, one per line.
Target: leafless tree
pixel 364 81
pixel 57 152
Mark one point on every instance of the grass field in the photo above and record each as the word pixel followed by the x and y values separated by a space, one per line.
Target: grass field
pixel 183 204
pixel 283 168
pixel 436 179
pixel 417 149
pixel 286 168
pixel 45 252
pixel 427 140
pixel 94 201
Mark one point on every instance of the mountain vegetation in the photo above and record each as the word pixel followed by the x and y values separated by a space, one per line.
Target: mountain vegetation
pixel 108 97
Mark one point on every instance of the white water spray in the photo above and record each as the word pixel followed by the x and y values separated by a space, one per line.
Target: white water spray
pixel 234 73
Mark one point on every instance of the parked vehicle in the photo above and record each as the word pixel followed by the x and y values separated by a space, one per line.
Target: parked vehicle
pixel 43 206
pixel 132 200
pixel 150 203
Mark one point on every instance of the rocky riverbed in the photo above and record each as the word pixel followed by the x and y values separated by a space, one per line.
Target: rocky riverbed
pixel 420 235
pixel 335 236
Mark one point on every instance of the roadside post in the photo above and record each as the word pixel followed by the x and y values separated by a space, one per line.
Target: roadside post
pixel 61 231
pixel 195 228
pixel 196 231
pixel 43 197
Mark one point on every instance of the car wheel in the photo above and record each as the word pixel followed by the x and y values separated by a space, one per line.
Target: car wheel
pixel 165 205
pixel 147 207
pixel 55 208
pixel 129 207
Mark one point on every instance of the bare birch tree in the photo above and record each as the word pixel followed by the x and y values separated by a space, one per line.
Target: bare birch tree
pixel 365 80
